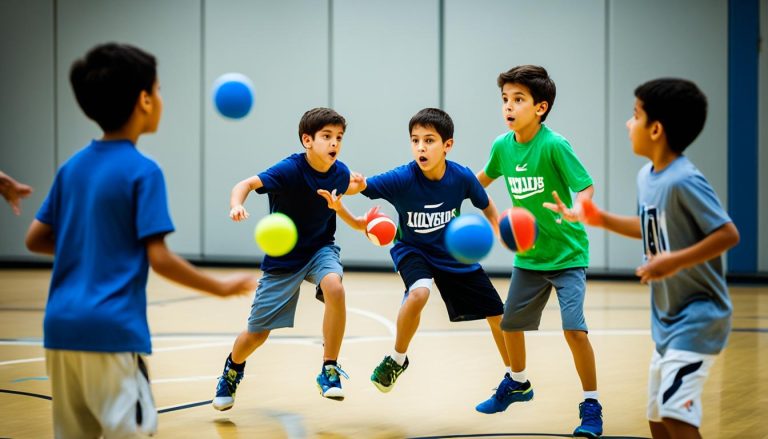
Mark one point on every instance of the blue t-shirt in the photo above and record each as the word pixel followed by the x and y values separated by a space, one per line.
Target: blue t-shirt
pixel 691 310
pixel 292 186
pixel 425 207
pixel 104 202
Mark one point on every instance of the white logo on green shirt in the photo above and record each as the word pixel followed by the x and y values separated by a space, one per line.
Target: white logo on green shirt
pixel 524 187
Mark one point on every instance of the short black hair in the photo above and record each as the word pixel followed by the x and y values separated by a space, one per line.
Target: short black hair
pixel 536 79
pixel 434 118
pixel 315 119
pixel 679 105
pixel 108 81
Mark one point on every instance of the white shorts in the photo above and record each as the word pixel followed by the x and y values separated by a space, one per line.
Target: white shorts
pixel 675 383
pixel 100 394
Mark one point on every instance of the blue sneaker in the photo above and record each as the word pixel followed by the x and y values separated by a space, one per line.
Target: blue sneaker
pixel 329 382
pixel 225 390
pixel 386 373
pixel 591 414
pixel 509 391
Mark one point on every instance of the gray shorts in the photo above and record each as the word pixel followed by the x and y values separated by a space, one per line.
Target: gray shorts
pixel 274 305
pixel 529 292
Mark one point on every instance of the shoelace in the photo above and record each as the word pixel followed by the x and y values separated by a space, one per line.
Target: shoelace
pixel 590 411
pixel 387 368
pixel 232 378
pixel 333 372
pixel 504 388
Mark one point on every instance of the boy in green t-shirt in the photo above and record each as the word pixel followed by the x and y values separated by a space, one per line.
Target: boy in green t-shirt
pixel 535 162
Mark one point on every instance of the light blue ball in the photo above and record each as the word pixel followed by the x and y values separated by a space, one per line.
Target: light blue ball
pixel 233 95
pixel 469 238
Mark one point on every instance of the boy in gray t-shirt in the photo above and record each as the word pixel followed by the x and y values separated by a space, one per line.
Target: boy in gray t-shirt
pixel 685 231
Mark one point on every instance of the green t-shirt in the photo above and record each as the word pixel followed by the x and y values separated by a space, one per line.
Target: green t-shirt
pixel 531 172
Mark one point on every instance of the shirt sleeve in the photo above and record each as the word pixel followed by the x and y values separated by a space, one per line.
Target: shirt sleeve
pixel 152 216
pixel 700 200
pixel 475 191
pixel 47 212
pixel 493 167
pixel 570 167
pixel 385 185
pixel 278 178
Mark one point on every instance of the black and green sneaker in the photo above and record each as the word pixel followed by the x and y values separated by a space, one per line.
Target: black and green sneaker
pixel 386 373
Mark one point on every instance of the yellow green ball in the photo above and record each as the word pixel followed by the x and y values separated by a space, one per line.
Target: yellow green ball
pixel 276 234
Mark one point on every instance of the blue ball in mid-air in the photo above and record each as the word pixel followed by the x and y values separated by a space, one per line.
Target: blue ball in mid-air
pixel 233 95
pixel 469 238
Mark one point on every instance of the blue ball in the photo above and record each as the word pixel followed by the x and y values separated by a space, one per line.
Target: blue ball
pixel 469 238
pixel 233 95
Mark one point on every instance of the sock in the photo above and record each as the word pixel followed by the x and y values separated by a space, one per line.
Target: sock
pixel 509 371
pixel 520 377
pixel 239 367
pixel 398 357
pixel 329 363
pixel 590 394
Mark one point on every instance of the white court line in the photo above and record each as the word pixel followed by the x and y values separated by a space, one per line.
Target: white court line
pixel 23 360
pixel 378 317
pixel 185 379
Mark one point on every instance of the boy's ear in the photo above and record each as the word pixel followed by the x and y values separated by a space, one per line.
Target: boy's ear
pixel 657 130
pixel 144 102
pixel 541 108
pixel 448 145
pixel 306 140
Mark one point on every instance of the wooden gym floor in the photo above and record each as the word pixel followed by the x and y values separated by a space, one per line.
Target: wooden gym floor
pixel 453 367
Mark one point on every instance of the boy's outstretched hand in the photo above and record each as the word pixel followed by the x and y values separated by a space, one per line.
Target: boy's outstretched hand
pixel 333 200
pixel 238 213
pixel 585 211
pixel 13 192
pixel 571 215
pixel 238 284
pixel 658 267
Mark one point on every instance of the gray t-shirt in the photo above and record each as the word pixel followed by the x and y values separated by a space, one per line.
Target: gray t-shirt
pixel 691 310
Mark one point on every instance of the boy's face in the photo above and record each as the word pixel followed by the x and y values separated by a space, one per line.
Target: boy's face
pixel 325 147
pixel 518 108
pixel 641 134
pixel 428 148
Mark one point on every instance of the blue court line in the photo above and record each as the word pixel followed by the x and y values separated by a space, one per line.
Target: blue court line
pixel 21 380
pixel 34 395
pixel 185 406
pixel 481 435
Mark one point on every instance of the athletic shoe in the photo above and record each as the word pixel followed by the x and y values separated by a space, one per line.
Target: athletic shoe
pixel 509 391
pixel 591 414
pixel 329 382
pixel 225 390
pixel 386 373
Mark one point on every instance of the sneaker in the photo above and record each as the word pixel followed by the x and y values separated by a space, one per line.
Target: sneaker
pixel 225 390
pixel 329 383
pixel 591 414
pixel 386 373
pixel 509 391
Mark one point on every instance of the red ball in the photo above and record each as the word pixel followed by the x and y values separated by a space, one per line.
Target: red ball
pixel 380 230
pixel 518 229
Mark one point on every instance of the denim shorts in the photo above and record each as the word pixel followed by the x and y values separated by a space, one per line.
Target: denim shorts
pixel 274 305
pixel 529 292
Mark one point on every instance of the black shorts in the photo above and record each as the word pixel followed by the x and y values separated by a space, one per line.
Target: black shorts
pixel 467 296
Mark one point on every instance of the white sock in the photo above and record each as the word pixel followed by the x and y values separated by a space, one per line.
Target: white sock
pixel 520 377
pixel 509 371
pixel 398 357
pixel 590 394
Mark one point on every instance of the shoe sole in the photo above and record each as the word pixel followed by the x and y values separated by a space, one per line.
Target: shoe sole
pixel 333 393
pixel 526 393
pixel 222 408
pixel 382 388
pixel 588 434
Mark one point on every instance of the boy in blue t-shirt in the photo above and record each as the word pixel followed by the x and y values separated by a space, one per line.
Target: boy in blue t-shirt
pixel 430 187
pixel 105 221
pixel 292 186
pixel 685 232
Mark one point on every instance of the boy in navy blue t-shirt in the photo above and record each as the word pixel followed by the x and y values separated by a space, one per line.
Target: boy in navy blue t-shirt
pixel 435 187
pixel 104 220
pixel 292 186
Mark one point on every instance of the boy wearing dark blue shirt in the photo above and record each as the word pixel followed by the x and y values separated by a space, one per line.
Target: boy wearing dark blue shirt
pixel 292 186
pixel 104 220
pixel 432 187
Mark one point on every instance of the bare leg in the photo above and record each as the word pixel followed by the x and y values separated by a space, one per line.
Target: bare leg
pixel 681 430
pixel 658 430
pixel 335 316
pixel 246 343
pixel 495 323
pixel 515 343
pixel 409 317
pixel 583 358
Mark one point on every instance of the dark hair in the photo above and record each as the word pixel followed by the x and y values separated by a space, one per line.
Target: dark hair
pixel 108 81
pixel 315 119
pixel 536 79
pixel 678 105
pixel 434 118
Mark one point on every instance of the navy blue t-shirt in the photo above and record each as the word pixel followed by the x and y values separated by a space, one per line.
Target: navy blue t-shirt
pixel 292 186
pixel 104 202
pixel 425 207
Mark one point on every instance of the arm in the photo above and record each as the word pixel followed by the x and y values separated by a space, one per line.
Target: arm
pixel 40 238
pixel 357 184
pixel 484 179
pixel 667 264
pixel 492 215
pixel 334 203
pixel 171 266
pixel 13 191
pixel 239 194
